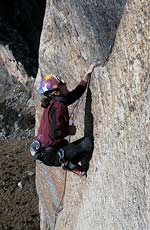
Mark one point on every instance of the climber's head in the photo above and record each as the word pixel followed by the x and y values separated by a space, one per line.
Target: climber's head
pixel 51 85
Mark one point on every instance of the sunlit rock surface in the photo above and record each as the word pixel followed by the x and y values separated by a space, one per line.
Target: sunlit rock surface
pixel 115 195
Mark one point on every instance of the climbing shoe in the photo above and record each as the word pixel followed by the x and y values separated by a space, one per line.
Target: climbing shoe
pixel 79 171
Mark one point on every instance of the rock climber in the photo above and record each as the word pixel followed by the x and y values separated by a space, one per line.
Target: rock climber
pixel 51 146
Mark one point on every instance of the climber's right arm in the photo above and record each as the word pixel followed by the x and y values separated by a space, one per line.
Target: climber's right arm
pixel 75 94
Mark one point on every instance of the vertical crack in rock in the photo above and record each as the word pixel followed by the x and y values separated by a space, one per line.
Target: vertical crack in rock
pixel 116 112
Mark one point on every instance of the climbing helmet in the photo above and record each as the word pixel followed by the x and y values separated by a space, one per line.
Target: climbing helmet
pixel 50 83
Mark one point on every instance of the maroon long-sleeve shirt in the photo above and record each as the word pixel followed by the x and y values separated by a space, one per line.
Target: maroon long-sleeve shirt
pixel 54 126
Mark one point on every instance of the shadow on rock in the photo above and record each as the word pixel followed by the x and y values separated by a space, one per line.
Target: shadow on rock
pixel 88 120
pixel 101 20
pixel 20 28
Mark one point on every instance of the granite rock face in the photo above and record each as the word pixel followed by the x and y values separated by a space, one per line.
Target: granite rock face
pixel 17 111
pixel 115 195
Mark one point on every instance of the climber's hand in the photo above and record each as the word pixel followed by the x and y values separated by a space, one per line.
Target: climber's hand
pixel 72 130
pixel 91 68
pixel 89 72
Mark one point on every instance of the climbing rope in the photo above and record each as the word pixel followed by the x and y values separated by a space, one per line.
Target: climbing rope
pixel 58 210
pixel 74 111
pixel 78 104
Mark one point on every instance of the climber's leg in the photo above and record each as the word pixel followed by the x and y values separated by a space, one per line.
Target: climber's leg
pixel 78 151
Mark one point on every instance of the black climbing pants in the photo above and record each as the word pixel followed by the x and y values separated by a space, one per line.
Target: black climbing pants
pixel 79 151
pixel 75 152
